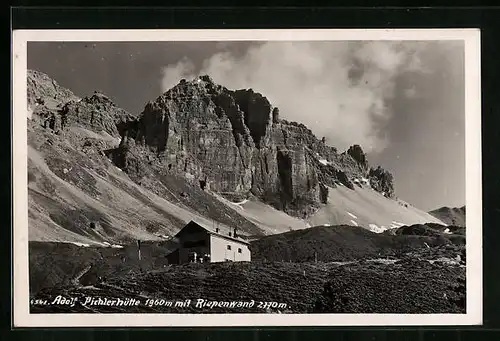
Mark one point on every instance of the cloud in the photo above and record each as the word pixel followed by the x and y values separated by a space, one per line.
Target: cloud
pixel 338 89
pixel 173 74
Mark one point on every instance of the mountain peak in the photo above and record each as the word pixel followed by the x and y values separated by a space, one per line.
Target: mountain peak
pixel 236 143
pixel 450 215
pixel 44 90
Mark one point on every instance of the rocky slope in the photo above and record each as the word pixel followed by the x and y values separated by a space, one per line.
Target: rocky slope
pixel 100 174
pixel 450 216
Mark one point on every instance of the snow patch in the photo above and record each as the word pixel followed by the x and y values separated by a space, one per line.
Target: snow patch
pixel 326 225
pixel 80 244
pixel 116 246
pixel 352 215
pixel 375 228
pixel 447 231
pixel 398 223
pixel 30 113
pixel 354 223
pixel 323 162
pixel 119 169
pixel 106 243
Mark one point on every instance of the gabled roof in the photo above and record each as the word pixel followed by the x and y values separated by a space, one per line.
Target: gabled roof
pixel 223 231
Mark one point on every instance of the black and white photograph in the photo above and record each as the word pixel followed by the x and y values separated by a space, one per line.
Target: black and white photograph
pixel 253 177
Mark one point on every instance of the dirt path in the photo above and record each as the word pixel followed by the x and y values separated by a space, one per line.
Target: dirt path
pixel 76 280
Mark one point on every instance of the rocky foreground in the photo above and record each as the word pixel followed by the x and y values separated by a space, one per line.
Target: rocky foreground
pixel 401 287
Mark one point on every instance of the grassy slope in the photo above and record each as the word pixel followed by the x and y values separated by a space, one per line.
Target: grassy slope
pixel 299 286
pixel 408 287
pixel 341 243
pixel 57 263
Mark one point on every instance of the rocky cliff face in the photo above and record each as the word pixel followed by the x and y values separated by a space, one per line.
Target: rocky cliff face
pixel 42 89
pixel 96 113
pixel 57 108
pixel 234 143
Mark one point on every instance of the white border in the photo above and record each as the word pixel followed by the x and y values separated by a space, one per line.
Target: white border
pixel 22 316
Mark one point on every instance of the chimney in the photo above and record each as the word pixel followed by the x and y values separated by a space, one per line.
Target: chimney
pixel 229 233
pixel 234 233
pixel 216 230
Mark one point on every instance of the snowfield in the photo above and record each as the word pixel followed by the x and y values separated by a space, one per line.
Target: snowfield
pixel 366 207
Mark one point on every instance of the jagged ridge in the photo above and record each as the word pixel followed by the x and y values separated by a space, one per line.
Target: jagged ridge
pixel 235 143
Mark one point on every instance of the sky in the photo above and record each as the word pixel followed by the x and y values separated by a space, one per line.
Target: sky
pixel 402 101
